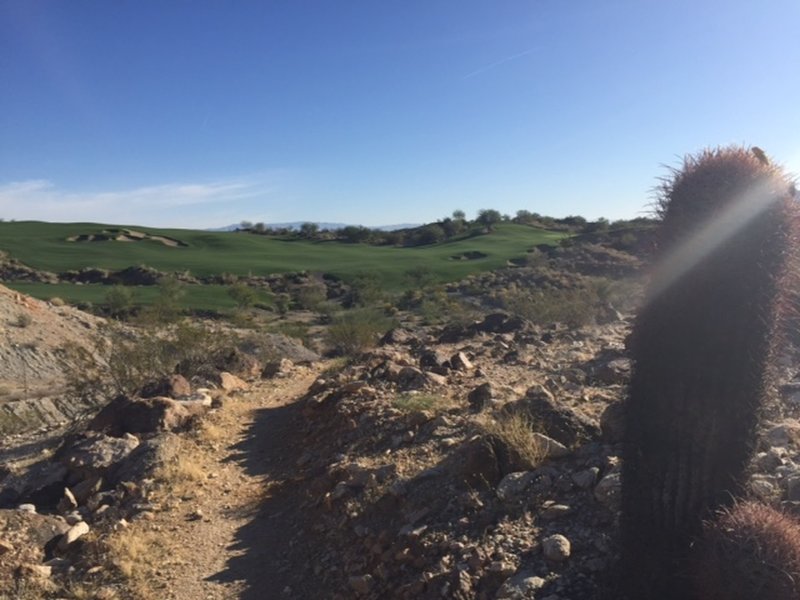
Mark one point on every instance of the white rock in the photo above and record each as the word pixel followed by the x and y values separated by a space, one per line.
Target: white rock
pixel 550 447
pixel 513 485
pixel 556 548
pixel 75 532
pixel 608 491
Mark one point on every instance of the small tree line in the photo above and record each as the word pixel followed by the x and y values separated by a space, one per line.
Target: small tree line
pixel 444 229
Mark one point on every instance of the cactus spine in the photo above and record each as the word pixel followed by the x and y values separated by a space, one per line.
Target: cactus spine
pixel 701 347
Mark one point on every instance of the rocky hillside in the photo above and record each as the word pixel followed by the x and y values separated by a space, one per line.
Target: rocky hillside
pixel 32 333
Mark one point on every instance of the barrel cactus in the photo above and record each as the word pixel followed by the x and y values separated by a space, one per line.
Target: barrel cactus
pixel 748 551
pixel 702 347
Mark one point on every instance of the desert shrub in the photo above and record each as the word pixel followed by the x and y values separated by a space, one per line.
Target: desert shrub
pixel 417 402
pixel 365 290
pixel 243 295
pixel 516 430
pixel 121 361
pixel 56 301
pixel 23 320
pixel 119 300
pixel 293 329
pixel 356 330
pixel 311 296
pixel 282 303
pixel 574 307
pixel 166 307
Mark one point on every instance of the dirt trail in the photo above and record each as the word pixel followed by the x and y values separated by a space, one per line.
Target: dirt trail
pixel 223 530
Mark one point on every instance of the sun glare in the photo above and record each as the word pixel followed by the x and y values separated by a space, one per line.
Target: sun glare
pixel 718 229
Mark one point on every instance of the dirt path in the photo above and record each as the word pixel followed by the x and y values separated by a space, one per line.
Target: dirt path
pixel 218 533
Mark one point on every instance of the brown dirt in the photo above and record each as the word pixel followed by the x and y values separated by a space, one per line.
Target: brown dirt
pixel 227 473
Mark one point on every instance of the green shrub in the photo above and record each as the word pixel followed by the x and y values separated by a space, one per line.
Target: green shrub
pixel 573 307
pixel 417 402
pixel 356 330
pixel 311 296
pixel 166 307
pixel 243 295
pixel 121 361
pixel 119 301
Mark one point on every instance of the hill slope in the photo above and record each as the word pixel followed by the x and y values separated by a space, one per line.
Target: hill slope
pixel 60 247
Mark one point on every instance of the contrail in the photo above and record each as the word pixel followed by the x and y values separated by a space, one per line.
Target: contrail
pixel 499 62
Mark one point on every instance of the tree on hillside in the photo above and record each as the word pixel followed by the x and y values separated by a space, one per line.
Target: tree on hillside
pixel 309 230
pixel 354 234
pixel 459 215
pixel 488 217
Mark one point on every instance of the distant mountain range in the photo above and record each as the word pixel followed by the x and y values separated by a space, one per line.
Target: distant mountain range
pixel 296 225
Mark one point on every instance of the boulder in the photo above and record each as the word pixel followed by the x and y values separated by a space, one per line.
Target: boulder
pixel 144 460
pixel 431 358
pixel 500 323
pixel 479 463
pixel 171 386
pixel 612 422
pixel 480 398
pixel 277 368
pixel 398 336
pixel 556 548
pixel 95 454
pixel 30 532
pixel 41 483
pixel 231 383
pixel 613 372
pixel 238 363
pixel 460 362
pixel 144 415
pixel 557 420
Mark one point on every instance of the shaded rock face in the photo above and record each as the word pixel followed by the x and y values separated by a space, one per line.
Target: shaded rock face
pixel 143 460
pixel 173 386
pixel 558 421
pixel 144 415
pixel 95 454
pixel 26 535
pixel 40 484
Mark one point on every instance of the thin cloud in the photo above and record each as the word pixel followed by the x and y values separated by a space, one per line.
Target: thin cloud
pixel 164 204
pixel 497 63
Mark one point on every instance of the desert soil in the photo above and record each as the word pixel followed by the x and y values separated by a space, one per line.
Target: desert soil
pixel 222 533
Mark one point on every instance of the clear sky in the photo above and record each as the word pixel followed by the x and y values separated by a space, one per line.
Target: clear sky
pixel 205 113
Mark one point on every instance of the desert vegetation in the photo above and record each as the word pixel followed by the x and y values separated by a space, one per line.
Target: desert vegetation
pixel 400 432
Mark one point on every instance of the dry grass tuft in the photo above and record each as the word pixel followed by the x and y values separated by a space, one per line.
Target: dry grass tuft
pixel 516 430
pixel 409 403
pixel 137 554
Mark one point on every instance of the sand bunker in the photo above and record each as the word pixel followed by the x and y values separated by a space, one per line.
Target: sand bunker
pixel 126 235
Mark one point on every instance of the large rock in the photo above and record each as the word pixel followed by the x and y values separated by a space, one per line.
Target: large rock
pixel 613 372
pixel 500 323
pixel 145 415
pixel 238 363
pixel 612 422
pixel 230 383
pixel 172 386
pixel 95 454
pixel 145 459
pixel 557 420
pixel 41 483
pixel 28 533
pixel 480 467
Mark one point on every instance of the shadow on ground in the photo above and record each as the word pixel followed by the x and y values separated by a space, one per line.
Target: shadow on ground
pixel 271 554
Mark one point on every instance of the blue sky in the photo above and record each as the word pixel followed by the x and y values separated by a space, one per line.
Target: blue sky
pixel 200 114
